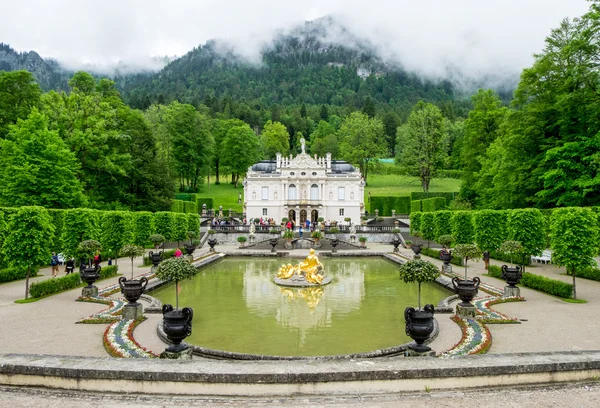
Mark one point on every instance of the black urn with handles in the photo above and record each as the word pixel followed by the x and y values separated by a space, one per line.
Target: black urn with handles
pixel 419 326
pixel 466 289
pixel 177 325
pixel 133 289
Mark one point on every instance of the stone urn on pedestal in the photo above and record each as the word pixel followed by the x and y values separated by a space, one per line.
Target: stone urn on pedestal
pixel 190 248
pixel 177 324
pixel 273 242
pixel 396 243
pixel 90 274
pixel 419 322
pixel 512 276
pixel 212 241
pixel 466 289
pixel 416 248
pixel 132 289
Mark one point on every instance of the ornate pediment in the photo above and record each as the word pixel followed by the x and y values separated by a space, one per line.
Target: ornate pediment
pixel 303 161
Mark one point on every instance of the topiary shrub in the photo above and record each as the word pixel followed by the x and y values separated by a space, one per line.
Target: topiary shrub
pixel 462 227
pixel 142 227
pixel 415 222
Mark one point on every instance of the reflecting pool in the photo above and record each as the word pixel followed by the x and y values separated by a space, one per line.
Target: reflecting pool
pixel 238 308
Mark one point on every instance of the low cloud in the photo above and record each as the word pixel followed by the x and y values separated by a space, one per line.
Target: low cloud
pixel 437 38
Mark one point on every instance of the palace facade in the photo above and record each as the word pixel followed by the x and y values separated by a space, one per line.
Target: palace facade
pixel 304 187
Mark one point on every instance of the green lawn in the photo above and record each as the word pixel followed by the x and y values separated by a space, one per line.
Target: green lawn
pixel 226 194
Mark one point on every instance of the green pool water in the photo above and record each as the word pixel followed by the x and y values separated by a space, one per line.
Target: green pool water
pixel 238 308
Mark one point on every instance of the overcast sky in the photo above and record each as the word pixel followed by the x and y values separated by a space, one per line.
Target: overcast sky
pixel 482 36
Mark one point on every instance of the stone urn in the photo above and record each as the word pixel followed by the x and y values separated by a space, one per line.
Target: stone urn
pixel 466 289
pixel 417 248
pixel 446 257
pixel 396 243
pixel 90 275
pixel 334 243
pixel 190 249
pixel 511 275
pixel 273 242
pixel 155 257
pixel 133 289
pixel 177 325
pixel 212 242
pixel 419 326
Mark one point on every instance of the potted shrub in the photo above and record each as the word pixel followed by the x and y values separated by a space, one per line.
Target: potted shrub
pixel 242 240
pixel 177 324
pixel 362 240
pixel 320 219
pixel 289 235
pixel 379 219
pixel 132 289
pixel 419 322
pixel 347 219
pixel 396 231
pixel 408 243
pixel 317 235
pixel 446 240
pixel 157 240
pixel 512 275
pixel 86 250
pixel 466 288
pixel 191 247
pixel 334 230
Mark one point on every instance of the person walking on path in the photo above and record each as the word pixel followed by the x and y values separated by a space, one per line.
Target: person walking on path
pixel 486 259
pixel 300 231
pixel 54 264
pixel 70 266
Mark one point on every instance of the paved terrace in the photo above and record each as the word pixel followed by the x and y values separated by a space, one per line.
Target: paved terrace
pixel 46 327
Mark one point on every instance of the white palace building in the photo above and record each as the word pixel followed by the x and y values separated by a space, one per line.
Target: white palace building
pixel 304 187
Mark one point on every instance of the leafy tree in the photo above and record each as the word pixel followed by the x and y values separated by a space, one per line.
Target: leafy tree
pixel 422 143
pixel 361 141
pixel 36 167
pixel 79 225
pixel 220 130
pixel 131 251
pixel 19 94
pixel 274 139
pixel 164 224
pixel 490 229
pixel 481 128
pixel 391 121
pixel 193 222
pixel 241 149
pixel 180 227
pixel 466 252
pixel 324 113
pixel 418 271
pixel 428 226
pixel 142 227
pixel 82 82
pixel 369 108
pixel 116 229
pixel 527 227
pixel 462 227
pixel 324 140
pixel 574 239
pixel 415 222
pixel 443 224
pixel 28 242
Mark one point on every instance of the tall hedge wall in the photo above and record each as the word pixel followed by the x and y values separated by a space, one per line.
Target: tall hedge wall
pixel 415 222
pixel 164 224
pixel 416 206
pixel 463 230
pixel 419 195
pixel 204 200
pixel 428 226
pixel 433 204
pixel 443 223
pixel 193 222
pixel 178 206
pixel 490 229
pixel 142 227
pixel 190 207
pixel 180 227
pixel 79 225
pixel 527 226
pixel 185 196
pixel 385 205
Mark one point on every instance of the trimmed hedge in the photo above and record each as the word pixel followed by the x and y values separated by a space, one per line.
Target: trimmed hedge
pixel 428 226
pixel 416 206
pixel 415 222
pixel 204 200
pixel 143 227
pixel 537 282
pixel 589 273
pixel 108 271
pixel 443 224
pixel 190 207
pixel 519 259
pixel 50 286
pixel 185 196
pixel 436 254
pixel 547 285
pixel 420 195
pixel 463 230
pixel 13 274
pixel 177 206
pixel 433 204
pixel 193 222
pixel 385 205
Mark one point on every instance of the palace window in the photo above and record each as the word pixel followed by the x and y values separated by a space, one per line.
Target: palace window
pixel 314 192
pixel 341 193
pixel 292 192
pixel 265 193
pixel 264 211
pixel 341 212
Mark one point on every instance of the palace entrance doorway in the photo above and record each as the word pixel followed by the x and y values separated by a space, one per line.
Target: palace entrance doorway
pixel 314 216
pixel 302 217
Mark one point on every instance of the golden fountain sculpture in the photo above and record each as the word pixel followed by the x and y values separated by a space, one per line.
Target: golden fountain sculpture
pixel 310 272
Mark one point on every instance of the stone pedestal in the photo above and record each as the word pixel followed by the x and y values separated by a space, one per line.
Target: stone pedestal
pixel 411 353
pixel 132 312
pixel 251 239
pixel 396 250
pixel 89 292
pixel 447 268
pixel 204 212
pixel 416 257
pixel 466 312
pixel 185 354
pixel 512 291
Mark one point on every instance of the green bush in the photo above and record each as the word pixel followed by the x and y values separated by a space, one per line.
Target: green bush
pixel 433 204
pixel 527 227
pixel 428 226
pixel 164 224
pixel 190 207
pixel 180 227
pixel 490 229
pixel 436 254
pixel 109 271
pixel 415 222
pixel 204 200
pixel 142 227
pixel 51 286
pixel 443 224
pixel 420 195
pixel 185 196
pixel 385 204
pixel 495 271
pixel 416 206
pixel 13 274
pixel 546 285
pixel 177 206
pixel 193 222
pixel 589 273
pixel 462 227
